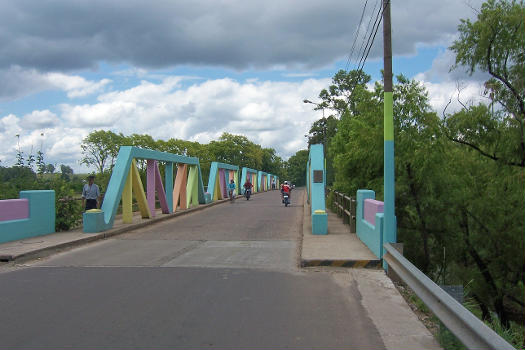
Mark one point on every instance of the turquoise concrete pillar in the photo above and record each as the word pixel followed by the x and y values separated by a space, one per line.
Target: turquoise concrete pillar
pixel 317 180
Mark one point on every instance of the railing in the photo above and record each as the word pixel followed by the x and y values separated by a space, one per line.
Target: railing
pixel 472 332
pixel 345 207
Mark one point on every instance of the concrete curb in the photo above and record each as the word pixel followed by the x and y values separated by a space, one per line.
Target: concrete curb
pixel 93 237
pixel 363 264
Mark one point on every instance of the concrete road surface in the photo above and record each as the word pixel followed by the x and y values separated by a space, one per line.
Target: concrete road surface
pixel 224 277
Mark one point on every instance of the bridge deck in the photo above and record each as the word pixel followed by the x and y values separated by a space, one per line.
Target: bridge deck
pixel 224 277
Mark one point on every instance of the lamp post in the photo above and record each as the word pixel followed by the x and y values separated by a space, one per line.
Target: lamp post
pixel 325 128
pixel 313 103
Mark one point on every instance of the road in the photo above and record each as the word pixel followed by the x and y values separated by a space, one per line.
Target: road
pixel 224 277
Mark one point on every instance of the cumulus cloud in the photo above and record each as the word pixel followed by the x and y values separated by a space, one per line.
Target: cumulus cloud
pixel 450 96
pixel 442 70
pixel 18 82
pixel 452 89
pixel 39 120
pixel 199 112
pixel 237 34
pixel 76 86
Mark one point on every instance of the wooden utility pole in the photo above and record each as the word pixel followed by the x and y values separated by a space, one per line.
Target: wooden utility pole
pixel 389 174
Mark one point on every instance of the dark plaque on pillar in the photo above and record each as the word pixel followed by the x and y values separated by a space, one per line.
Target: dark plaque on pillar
pixel 318 176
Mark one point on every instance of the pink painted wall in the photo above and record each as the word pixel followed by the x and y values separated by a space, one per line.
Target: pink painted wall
pixel 370 209
pixel 222 181
pixel 14 209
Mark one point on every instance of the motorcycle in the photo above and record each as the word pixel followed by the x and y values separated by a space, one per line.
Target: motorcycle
pixel 286 199
pixel 247 194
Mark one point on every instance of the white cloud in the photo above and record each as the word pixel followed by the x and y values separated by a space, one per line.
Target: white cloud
pixel 451 89
pixel 76 86
pixel 269 113
pixel 441 70
pixel 39 120
pixel 452 95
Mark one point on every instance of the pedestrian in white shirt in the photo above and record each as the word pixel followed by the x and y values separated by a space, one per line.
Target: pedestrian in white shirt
pixel 90 194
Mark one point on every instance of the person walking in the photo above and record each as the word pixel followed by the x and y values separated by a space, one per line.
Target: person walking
pixel 90 194
pixel 231 190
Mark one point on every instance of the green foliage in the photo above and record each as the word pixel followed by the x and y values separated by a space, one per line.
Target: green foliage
pixel 16 179
pixel 20 158
pixel 100 149
pixel 322 130
pixel 296 168
pixel 49 168
pixel 66 172
pixel 68 210
pixel 101 146
pixel 494 43
pixel 345 88
pixel 40 164
pixel 459 211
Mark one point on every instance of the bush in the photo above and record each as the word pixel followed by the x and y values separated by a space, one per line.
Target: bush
pixel 68 210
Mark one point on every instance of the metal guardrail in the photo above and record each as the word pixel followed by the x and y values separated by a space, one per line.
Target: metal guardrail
pixel 472 332
pixel 346 207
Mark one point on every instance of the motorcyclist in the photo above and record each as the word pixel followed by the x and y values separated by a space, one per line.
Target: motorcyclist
pixel 247 185
pixel 285 188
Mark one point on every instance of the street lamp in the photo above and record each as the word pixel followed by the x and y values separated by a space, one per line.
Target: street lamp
pixel 325 128
pixel 317 104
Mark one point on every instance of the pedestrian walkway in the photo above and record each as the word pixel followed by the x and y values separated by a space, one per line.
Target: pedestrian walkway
pixel 338 248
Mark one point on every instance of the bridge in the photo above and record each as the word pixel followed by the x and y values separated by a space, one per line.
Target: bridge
pixel 205 272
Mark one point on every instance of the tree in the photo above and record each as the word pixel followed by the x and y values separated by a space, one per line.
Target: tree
pixel 66 172
pixel 296 167
pixel 30 159
pixel 49 168
pixel 40 164
pixel 494 43
pixel 19 158
pixel 236 150
pixel 448 198
pixel 99 147
pixel 345 90
pixel 322 130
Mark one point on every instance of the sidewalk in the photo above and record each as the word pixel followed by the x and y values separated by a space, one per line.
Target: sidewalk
pixel 338 248
pixel 45 245
pixel 397 324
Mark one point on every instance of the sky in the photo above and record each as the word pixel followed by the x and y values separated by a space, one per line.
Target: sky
pixel 195 69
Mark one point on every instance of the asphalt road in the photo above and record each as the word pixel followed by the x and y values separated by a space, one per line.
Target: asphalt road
pixel 224 277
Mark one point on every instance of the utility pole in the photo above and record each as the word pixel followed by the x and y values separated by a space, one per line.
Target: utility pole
pixel 390 231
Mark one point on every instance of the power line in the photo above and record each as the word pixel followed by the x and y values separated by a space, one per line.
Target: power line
pixel 369 43
pixel 356 36
pixel 368 27
pixel 371 39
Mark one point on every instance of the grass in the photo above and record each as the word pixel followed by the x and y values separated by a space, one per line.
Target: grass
pixel 515 334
